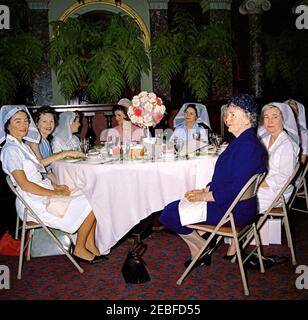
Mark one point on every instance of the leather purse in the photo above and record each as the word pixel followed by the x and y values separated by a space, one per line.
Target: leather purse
pixel 133 269
pixel 43 245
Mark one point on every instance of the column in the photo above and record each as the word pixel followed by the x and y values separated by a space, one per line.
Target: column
pixel 158 23
pixel 219 12
pixel 42 89
pixel 254 9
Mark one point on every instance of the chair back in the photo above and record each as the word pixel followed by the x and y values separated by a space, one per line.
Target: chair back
pixel 19 196
pixel 279 199
pixel 300 191
pixel 248 191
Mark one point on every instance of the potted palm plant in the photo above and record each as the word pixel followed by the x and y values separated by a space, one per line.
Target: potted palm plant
pixel 99 59
pixel 20 53
pixel 193 53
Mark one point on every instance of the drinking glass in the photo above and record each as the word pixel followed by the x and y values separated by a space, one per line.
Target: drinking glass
pixel 85 145
pixel 178 145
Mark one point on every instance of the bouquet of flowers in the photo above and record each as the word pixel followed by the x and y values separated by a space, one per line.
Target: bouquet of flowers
pixel 146 109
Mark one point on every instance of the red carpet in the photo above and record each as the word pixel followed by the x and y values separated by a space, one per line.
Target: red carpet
pixel 55 278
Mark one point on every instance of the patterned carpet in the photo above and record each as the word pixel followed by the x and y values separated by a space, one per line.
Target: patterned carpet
pixel 55 278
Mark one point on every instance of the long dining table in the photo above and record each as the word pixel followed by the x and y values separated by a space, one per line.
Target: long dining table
pixel 123 193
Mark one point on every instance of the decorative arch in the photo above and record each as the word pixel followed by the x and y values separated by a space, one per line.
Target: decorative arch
pixel 73 8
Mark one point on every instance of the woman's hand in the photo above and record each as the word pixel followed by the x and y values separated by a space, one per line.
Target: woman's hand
pixel 62 190
pixel 195 195
pixel 74 154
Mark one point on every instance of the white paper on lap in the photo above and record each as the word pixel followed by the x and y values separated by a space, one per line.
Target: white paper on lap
pixel 192 212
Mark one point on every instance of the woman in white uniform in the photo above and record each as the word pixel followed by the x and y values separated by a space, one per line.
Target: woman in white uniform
pixel 278 132
pixel 192 118
pixel 26 172
pixel 63 136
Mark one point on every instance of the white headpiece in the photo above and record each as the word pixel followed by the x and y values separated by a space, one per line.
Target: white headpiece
pixel 63 129
pixel 203 116
pixel 7 112
pixel 124 102
pixel 289 122
pixel 301 118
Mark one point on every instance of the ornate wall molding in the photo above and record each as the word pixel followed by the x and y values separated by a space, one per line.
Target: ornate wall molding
pixel 254 6
pixel 38 4
pixel 158 4
pixel 215 5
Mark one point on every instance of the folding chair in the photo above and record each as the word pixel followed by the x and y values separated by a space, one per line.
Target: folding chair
pixel 239 234
pixel 279 208
pixel 301 190
pixel 30 225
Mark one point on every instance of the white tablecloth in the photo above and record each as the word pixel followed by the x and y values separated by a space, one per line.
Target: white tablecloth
pixel 122 194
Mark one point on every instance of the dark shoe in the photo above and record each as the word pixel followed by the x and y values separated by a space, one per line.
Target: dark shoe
pixel 226 257
pixel 96 259
pixel 206 259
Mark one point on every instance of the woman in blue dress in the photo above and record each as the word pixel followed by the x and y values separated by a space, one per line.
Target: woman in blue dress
pixel 46 120
pixel 244 157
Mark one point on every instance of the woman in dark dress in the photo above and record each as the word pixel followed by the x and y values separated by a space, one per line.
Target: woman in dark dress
pixel 243 158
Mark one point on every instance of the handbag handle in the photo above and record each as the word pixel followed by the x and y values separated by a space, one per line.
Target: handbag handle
pixel 139 249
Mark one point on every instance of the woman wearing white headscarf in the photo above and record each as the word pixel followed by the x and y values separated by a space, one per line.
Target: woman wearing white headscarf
pixel 192 118
pixel 63 136
pixel 25 170
pixel 278 132
pixel 299 111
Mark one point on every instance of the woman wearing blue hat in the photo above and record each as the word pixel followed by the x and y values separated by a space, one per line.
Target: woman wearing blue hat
pixel 243 158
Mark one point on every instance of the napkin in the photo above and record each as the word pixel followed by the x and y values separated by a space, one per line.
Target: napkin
pixel 192 212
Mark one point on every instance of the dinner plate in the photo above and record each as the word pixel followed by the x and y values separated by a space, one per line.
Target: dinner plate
pixel 72 159
pixel 96 161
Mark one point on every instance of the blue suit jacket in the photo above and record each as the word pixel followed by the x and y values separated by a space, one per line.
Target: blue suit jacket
pixel 244 157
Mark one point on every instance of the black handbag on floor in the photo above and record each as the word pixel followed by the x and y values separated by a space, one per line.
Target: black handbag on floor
pixel 134 270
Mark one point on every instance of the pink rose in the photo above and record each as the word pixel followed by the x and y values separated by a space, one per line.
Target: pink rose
pixel 158 117
pixel 138 112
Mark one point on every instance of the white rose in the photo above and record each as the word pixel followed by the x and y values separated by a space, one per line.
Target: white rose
pixel 148 106
pixel 136 102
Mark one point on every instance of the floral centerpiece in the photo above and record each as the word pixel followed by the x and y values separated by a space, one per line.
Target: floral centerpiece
pixel 146 109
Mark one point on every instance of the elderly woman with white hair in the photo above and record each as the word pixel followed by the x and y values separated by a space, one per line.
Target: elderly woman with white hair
pixel 64 137
pixel 26 172
pixel 278 132
pixel 244 157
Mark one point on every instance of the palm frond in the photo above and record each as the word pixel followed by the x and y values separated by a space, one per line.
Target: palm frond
pixel 7 86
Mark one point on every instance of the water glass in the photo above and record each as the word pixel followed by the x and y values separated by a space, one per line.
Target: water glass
pixel 178 145
pixel 85 145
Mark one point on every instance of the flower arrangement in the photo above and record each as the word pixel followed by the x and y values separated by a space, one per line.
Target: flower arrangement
pixel 146 109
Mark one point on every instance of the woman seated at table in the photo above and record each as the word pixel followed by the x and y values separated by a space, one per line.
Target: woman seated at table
pixel 244 157
pixel 125 131
pixel 46 120
pixel 64 137
pixel 300 115
pixel 278 133
pixel 20 163
pixel 189 121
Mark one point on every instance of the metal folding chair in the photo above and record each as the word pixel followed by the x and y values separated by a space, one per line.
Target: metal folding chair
pixel 30 225
pixel 301 190
pixel 279 208
pixel 248 191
